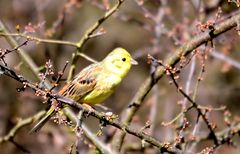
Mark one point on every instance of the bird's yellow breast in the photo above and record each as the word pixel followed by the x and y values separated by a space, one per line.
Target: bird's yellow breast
pixel 106 85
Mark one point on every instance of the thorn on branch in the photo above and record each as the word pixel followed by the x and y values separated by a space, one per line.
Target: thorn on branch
pixel 21 89
pixel 154 64
pixel 146 126
pixel 3 52
pixel 133 105
pixel 211 34
pixel 60 74
pixel 98 33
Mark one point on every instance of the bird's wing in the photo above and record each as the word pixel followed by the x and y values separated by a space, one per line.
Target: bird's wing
pixel 82 84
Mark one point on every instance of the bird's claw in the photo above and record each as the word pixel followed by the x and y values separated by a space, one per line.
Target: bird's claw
pixel 89 108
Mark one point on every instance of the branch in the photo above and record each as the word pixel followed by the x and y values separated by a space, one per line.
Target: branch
pixel 113 122
pixel 88 34
pixel 107 120
pixel 22 123
pixel 184 50
pixel 89 134
pixel 39 40
pixel 42 40
pixel 225 135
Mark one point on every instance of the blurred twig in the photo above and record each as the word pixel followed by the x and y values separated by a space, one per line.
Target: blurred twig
pixel 226 59
pixel 194 97
pixel 225 135
pixel 39 40
pixel 22 123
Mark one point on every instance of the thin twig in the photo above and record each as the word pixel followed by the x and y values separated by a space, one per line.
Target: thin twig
pixel 40 40
pixel 225 58
pixel 7 51
pixel 60 74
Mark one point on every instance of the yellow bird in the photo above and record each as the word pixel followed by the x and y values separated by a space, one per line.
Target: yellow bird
pixel 94 83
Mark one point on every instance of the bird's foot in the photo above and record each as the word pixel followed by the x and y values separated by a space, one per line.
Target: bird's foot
pixel 89 108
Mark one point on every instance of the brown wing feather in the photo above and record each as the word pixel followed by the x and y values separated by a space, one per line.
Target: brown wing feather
pixel 82 84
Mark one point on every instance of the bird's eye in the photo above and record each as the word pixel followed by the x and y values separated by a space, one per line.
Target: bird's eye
pixel 123 59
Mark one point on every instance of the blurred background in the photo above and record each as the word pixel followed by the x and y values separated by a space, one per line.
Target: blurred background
pixel 156 27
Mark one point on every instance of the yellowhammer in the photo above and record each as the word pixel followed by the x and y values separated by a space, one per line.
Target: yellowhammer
pixel 96 82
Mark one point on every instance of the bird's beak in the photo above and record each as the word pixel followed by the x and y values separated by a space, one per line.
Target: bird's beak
pixel 134 62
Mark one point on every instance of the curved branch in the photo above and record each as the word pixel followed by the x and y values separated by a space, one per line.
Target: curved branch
pixel 22 123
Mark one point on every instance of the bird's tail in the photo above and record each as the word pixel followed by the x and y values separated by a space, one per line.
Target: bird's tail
pixel 44 119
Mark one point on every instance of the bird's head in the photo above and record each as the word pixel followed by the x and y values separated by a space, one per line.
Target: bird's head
pixel 119 61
